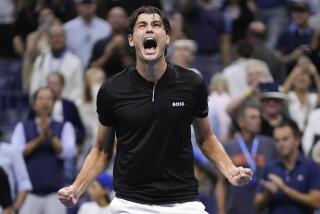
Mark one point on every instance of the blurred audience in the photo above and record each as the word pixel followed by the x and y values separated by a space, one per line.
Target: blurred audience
pixel 85 30
pixel 112 52
pixel 59 59
pixel 292 184
pixel 273 107
pixel 236 72
pixel 248 149
pixel 207 29
pixel 257 33
pixel 99 192
pixel 301 101
pixel 295 41
pixel 37 43
pixel 44 142
pixel 12 162
pixel 218 100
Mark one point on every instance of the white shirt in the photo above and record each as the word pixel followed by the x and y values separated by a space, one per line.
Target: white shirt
pixel 93 208
pixel 312 129
pixel 12 162
pixel 68 140
pixel 299 112
pixel 236 75
pixel 81 37
pixel 69 65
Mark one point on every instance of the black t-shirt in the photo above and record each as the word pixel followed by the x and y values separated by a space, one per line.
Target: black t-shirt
pixel 154 159
pixel 5 194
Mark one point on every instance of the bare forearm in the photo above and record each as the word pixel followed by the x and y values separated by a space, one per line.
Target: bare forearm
pixel 215 152
pixel 56 144
pixel 95 162
pixel 32 145
pixel 261 200
pixel 308 199
pixel 20 199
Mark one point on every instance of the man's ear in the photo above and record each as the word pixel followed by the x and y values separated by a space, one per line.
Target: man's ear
pixel 168 40
pixel 130 40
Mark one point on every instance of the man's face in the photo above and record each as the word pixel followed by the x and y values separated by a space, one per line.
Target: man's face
pixel 149 37
pixel 117 17
pixel 55 84
pixel 57 38
pixel 251 120
pixel 271 106
pixel 43 103
pixel 87 9
pixel 286 142
pixel 300 17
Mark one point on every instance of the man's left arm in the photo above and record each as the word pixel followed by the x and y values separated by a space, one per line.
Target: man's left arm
pixel 214 151
pixel 311 198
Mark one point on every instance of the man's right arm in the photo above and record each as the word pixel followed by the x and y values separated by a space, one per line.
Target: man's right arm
pixel 93 165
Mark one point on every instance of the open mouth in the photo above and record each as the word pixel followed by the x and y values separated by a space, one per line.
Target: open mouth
pixel 150 43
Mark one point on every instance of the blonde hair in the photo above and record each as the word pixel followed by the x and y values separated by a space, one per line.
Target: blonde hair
pixel 218 83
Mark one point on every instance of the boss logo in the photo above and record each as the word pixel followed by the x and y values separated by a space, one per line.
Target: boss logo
pixel 178 104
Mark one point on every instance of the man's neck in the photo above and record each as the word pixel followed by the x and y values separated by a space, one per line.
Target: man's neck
pixel 152 71
pixel 247 136
pixel 57 53
pixel 290 161
pixel 87 19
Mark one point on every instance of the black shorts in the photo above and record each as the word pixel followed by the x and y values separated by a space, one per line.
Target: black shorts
pixel 5 194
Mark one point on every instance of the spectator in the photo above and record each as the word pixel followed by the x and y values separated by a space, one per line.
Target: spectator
pixel 112 52
pixel 99 192
pixel 295 41
pixel 272 107
pixel 85 30
pixel 26 22
pixel 311 137
pixel 292 184
pixel 12 162
pixel 256 73
pixel 238 15
pixel 183 53
pixel 5 195
pixel 207 29
pixel 63 109
pixel 44 142
pixel 257 33
pixel 87 109
pixel 273 14
pixel 236 73
pixel 8 10
pixel 247 149
pixel 37 43
pixel 59 59
pixel 218 101
pixel 301 101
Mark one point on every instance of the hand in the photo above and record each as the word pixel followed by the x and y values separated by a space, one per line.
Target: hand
pixel 240 176
pixel 269 186
pixel 68 196
pixel 277 180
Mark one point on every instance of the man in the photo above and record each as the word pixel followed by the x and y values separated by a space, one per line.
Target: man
pixel 63 109
pixel 85 30
pixel 112 53
pixel 44 143
pixel 272 106
pixel 291 185
pixel 248 148
pixel 12 162
pixel 59 59
pixel 150 106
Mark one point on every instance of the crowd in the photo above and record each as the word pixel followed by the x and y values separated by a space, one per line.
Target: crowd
pixel 260 60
